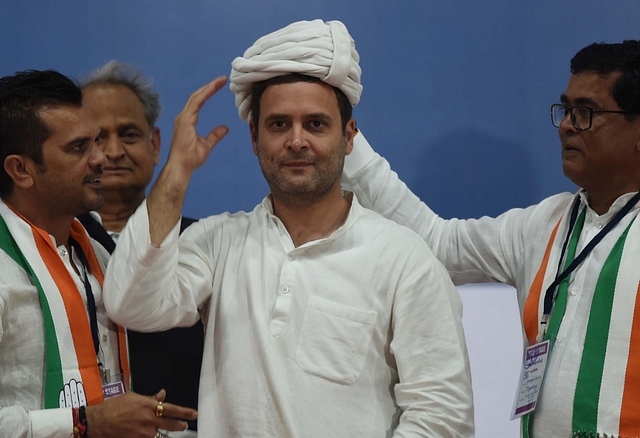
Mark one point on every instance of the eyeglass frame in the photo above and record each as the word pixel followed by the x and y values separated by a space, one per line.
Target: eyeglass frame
pixel 569 110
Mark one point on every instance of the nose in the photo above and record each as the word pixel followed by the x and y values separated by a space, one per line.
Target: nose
pixel 297 140
pixel 566 125
pixel 97 157
pixel 112 147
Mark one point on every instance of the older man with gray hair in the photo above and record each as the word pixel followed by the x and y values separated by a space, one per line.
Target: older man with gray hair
pixel 126 106
pixel 323 319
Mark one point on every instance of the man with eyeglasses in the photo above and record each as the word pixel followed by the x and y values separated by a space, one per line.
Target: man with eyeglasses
pixel 572 258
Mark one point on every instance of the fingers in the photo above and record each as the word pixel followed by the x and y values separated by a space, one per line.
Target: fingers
pixel 160 396
pixel 202 94
pixel 216 134
pixel 169 410
pixel 172 425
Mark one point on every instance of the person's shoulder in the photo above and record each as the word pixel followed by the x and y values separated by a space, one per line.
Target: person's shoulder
pixel 392 235
pixel 549 209
pixel 560 200
pixel 219 222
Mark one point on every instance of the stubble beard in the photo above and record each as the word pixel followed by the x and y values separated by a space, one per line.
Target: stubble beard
pixel 326 173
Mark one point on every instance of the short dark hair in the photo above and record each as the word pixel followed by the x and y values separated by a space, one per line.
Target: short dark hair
pixel 622 57
pixel 22 131
pixel 346 110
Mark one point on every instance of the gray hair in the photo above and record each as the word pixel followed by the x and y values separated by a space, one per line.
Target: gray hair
pixel 119 73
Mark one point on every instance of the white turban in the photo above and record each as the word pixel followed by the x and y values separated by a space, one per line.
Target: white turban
pixel 314 48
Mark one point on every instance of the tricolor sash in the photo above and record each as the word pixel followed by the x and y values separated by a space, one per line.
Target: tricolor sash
pixel 70 358
pixel 607 394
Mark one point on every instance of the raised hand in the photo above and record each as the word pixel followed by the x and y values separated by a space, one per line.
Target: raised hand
pixel 188 149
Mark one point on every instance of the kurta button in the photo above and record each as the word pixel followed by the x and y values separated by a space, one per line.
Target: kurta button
pixel 63 252
pixel 285 290
pixel 291 258
pixel 574 291
pixel 104 338
pixel 598 225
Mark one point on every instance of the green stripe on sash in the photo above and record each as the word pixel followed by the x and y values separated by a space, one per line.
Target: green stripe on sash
pixel 585 402
pixel 559 306
pixel 53 367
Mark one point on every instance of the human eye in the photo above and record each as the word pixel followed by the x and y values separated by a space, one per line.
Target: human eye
pixel 102 136
pixel 78 147
pixel 131 136
pixel 278 125
pixel 582 112
pixel 317 124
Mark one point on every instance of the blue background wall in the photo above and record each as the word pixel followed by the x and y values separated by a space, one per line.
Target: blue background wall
pixel 456 96
pixel 456 93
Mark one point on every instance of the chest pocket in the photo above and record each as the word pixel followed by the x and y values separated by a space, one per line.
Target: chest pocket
pixel 334 340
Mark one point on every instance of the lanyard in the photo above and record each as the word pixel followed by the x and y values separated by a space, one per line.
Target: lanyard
pixel 549 294
pixel 91 302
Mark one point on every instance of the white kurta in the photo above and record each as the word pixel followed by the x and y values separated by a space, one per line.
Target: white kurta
pixel 507 249
pixel 352 335
pixel 22 350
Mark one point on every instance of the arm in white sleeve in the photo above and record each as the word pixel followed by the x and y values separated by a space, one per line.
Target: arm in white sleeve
pixel 15 422
pixel 428 345
pixel 483 250
pixel 148 288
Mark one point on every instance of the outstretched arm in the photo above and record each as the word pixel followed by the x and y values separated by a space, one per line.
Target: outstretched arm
pixel 188 152
pixel 141 290
pixel 472 251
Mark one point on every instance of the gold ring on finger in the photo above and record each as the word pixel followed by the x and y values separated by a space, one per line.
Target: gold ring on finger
pixel 159 409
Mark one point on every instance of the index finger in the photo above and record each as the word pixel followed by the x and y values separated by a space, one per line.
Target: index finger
pixel 178 412
pixel 202 94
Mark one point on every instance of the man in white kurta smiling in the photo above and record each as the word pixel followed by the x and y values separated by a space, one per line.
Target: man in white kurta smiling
pixel 323 319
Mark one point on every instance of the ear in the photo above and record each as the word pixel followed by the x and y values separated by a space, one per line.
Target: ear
pixel 20 169
pixel 254 136
pixel 350 133
pixel 155 145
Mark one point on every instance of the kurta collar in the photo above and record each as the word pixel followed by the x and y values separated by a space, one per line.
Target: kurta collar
pixel 355 211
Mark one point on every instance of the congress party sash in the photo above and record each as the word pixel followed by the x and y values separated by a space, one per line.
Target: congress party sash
pixel 71 367
pixel 607 393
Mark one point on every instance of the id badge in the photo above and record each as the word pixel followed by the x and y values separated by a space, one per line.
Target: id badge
pixel 531 375
pixel 114 386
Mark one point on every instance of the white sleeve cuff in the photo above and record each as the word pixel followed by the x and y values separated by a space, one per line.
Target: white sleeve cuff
pixel 51 423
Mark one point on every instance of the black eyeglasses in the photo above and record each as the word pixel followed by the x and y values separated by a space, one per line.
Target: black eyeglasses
pixel 581 116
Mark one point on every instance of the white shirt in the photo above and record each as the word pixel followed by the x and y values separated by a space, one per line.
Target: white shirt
pixel 507 249
pixel 352 335
pixel 22 350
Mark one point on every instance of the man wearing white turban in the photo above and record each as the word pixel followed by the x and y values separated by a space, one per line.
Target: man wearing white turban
pixel 323 319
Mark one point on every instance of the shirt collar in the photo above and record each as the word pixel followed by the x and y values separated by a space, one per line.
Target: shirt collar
pixel 615 207
pixel 355 211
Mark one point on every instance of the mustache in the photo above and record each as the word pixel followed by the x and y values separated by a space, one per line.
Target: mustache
pixel 302 156
pixel 95 175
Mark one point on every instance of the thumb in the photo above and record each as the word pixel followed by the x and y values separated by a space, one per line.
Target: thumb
pixel 160 396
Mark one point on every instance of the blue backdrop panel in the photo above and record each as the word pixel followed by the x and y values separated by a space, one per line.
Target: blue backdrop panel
pixel 456 94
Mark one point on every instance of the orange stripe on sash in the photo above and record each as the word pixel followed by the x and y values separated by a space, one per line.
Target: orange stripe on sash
pixel 530 317
pixel 629 418
pixel 78 232
pixel 124 357
pixel 77 316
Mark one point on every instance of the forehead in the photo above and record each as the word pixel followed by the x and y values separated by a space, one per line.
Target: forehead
pixel 591 86
pixel 68 123
pixel 299 98
pixel 110 103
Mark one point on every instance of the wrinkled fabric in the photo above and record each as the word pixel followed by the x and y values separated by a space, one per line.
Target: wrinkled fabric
pixel 322 50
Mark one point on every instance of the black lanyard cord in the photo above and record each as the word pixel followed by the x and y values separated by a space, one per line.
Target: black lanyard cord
pixel 549 295
pixel 91 302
